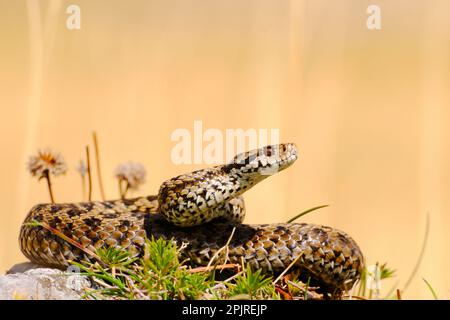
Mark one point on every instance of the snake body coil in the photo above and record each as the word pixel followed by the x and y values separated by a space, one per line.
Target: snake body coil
pixel 201 209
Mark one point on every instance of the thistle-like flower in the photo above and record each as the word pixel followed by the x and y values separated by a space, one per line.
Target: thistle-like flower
pixel 46 161
pixel 45 164
pixel 132 174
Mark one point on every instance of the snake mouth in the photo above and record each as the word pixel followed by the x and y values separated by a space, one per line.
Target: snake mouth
pixel 267 160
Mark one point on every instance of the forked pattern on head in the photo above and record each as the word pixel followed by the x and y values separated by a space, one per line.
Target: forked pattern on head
pixel 201 196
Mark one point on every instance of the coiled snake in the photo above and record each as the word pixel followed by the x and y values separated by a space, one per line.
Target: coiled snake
pixel 200 208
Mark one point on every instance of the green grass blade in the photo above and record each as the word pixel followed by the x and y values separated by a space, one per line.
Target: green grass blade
pixel 307 288
pixel 431 289
pixel 421 254
pixel 306 212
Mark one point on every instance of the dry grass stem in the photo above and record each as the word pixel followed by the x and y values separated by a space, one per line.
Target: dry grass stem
pixel 225 247
pixel 287 269
pixel 88 161
pixel 97 160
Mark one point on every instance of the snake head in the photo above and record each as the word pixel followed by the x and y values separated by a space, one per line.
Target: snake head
pixel 267 160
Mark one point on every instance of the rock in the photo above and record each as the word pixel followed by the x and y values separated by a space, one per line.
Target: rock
pixel 29 281
pixel 22 267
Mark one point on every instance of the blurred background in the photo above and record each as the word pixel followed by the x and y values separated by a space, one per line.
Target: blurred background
pixel 368 109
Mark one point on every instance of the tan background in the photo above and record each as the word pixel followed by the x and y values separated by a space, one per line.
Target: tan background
pixel 369 110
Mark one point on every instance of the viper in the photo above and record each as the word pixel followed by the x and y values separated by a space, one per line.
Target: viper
pixel 204 210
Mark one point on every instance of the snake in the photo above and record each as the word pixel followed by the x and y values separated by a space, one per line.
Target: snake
pixel 204 211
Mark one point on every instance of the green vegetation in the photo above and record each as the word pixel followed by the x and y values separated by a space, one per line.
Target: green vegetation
pixel 159 274
pixel 252 284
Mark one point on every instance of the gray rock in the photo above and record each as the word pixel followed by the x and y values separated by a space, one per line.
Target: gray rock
pixel 28 281
pixel 22 267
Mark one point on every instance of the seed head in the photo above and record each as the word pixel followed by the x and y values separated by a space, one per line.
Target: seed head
pixel 132 172
pixel 46 161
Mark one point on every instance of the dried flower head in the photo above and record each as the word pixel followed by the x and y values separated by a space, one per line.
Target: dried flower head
pixel 46 162
pixel 131 172
pixel 81 168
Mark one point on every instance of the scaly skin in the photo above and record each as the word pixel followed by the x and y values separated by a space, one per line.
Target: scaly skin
pixel 200 209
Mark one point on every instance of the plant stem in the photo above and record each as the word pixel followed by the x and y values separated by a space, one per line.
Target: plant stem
pixel 421 254
pixel 122 192
pixel 127 187
pixel 305 212
pixel 306 289
pixel 83 187
pixel 89 173
pixel 66 238
pixel 431 289
pixel 49 184
pixel 97 158
pixel 120 189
